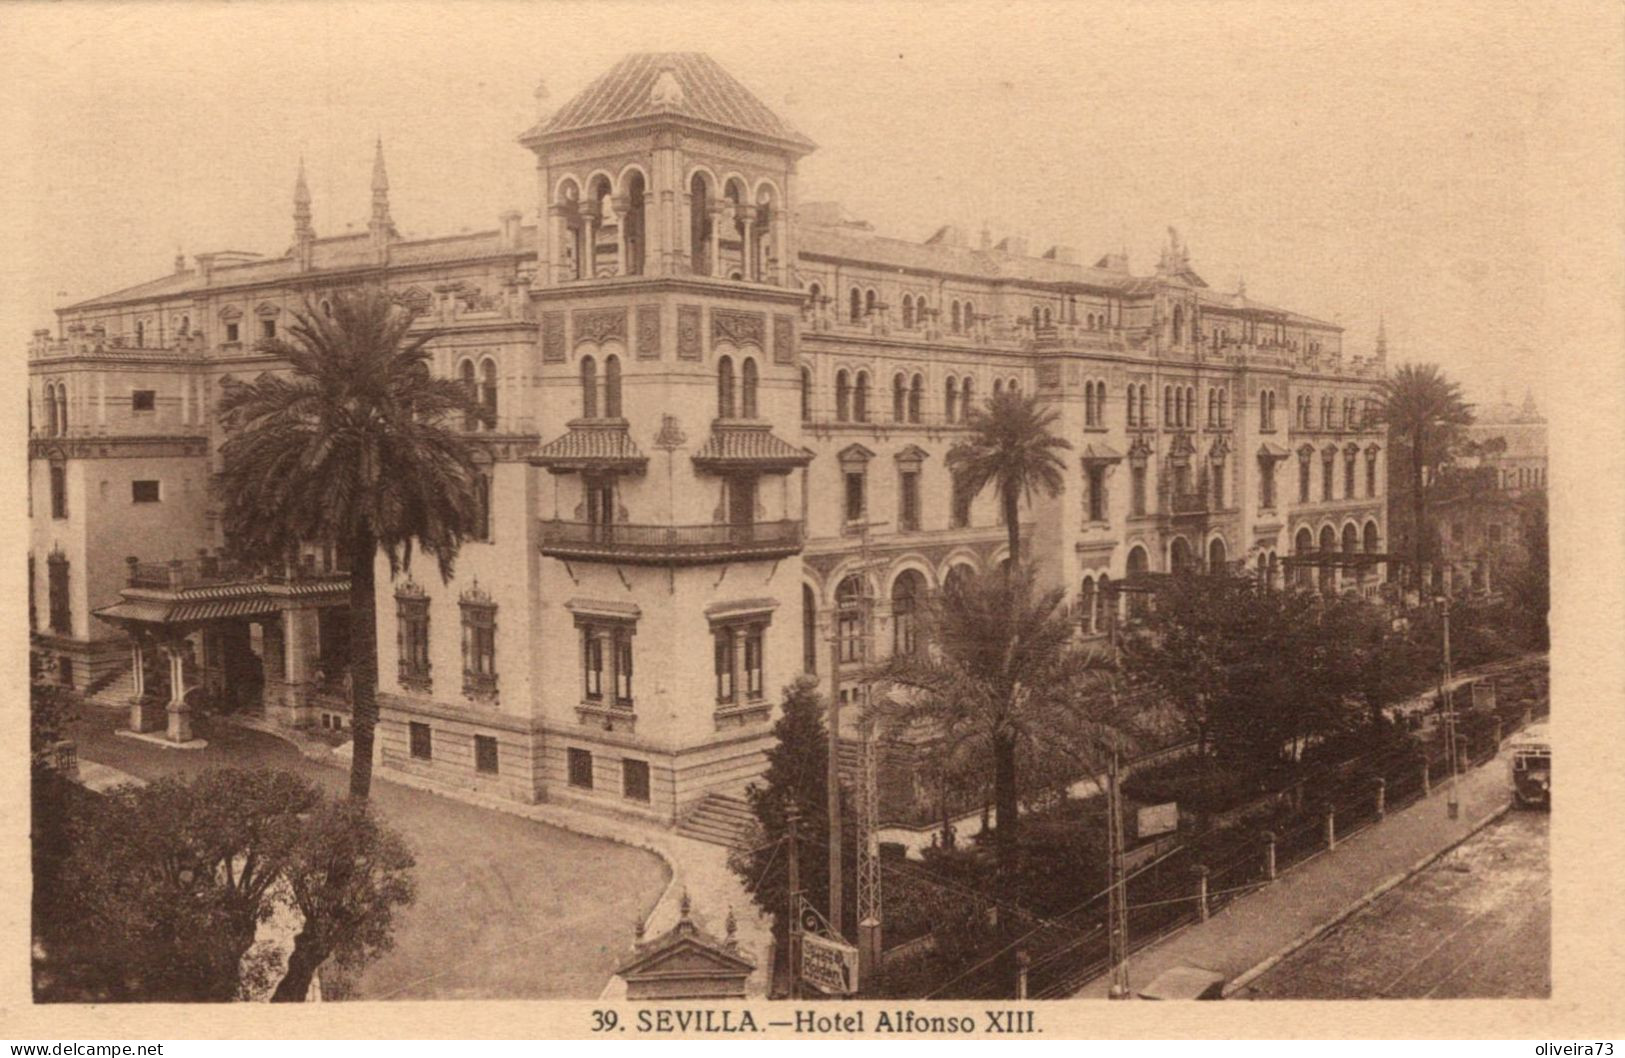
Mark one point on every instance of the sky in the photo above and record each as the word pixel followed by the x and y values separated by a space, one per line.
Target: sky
pixel 1350 161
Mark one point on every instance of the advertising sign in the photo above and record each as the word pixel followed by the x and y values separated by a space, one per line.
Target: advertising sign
pixel 1157 819
pixel 829 965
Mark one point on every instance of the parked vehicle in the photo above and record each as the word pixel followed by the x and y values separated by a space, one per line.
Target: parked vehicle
pixel 1532 768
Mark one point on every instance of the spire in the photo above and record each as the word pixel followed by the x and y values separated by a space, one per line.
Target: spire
pixel 1382 337
pixel 302 228
pixel 381 225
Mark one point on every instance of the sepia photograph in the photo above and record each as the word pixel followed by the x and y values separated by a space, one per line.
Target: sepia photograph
pixel 749 519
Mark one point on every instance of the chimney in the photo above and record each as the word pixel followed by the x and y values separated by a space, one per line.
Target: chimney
pixel 1013 245
pixel 1063 254
pixel 180 263
pixel 510 229
pixel 205 266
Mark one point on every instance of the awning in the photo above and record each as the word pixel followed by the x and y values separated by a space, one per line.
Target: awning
pixel 1272 451
pixel 752 447
pixel 592 447
pixel 184 611
pixel 1094 452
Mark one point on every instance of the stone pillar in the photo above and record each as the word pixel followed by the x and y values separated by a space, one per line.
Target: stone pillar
pixel 552 270
pixel 1382 798
pixel 301 642
pixel 180 718
pixel 588 262
pixel 1269 855
pixel 1331 827
pixel 747 242
pixel 145 715
pixel 619 211
pixel 717 214
pixel 1201 893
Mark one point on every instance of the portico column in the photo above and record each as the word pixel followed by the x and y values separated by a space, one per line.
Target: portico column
pixel 138 677
pixel 180 719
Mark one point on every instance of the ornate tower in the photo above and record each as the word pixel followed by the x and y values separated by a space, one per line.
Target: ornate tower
pixel 380 224
pixel 670 380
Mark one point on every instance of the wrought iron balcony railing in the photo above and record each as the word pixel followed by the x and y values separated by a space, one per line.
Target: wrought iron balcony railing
pixel 669 544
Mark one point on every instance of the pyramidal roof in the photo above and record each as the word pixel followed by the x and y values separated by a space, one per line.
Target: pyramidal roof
pixel 683 83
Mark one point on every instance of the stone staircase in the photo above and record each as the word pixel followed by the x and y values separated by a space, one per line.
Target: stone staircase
pixel 720 819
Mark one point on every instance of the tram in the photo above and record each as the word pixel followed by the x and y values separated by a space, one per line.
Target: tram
pixel 1532 768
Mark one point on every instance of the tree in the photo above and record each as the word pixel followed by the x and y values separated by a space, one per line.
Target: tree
pixel 1425 413
pixel 346 875
pixel 1259 672
pixel 1013 448
pixel 352 448
pixel 1006 680
pixel 796 775
pixel 173 879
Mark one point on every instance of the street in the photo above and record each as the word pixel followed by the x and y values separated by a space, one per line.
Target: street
pixel 507 908
pixel 1475 924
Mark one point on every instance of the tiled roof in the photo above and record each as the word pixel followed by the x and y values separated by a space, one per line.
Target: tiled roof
pixel 591 445
pixel 698 87
pixel 335 252
pixel 736 446
pixel 937 257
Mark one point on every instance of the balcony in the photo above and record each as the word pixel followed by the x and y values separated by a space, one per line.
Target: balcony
pixel 661 545
pixel 1186 503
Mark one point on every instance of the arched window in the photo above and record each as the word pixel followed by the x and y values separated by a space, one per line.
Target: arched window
pixel 465 373
pixel 1131 406
pixel 856 305
pixel 1037 318
pixel 62 408
pixel 1179 323
pixel 700 224
pixel 922 312
pixel 589 388
pixel 916 398
pixel 140 334
pixel 1264 414
pixel 1212 407
pixel 806 394
pixel 957 580
pixel 950 399
pixel 860 397
pixel 1351 538
pixel 1089 403
pixel 967 400
pixel 748 404
pixel 186 325
pixel 871 301
pixel 906 592
pixel 843 396
pixel 815 294
pixel 1180 559
pixel 1190 405
pixel 1014 386
pixel 1168 406
pixel 50 411
pixel 725 388
pixel 1145 405
pixel 998 386
pixel 899 397
pixel 1100 403
pixel 1048 319
pixel 1372 538
pixel 1086 606
pixel 612 387
pixel 1224 408
pixel 1215 556
pixel 632 225
pixel 953 318
pixel 970 316
pixel 488 392
pixel 908 311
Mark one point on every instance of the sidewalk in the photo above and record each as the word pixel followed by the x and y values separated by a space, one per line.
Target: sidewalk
pixel 1262 925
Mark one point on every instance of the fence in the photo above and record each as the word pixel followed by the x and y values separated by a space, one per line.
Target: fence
pixel 1193 880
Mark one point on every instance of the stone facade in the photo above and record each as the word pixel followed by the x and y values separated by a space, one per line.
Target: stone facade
pixel 712 400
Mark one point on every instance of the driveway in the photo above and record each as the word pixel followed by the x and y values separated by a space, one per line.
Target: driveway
pixel 507 908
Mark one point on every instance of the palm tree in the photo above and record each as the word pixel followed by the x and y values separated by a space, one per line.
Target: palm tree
pixel 1006 681
pixel 350 448
pixel 1012 448
pixel 1425 412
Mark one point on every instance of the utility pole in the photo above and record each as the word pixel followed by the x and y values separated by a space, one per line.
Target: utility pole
pixel 1453 803
pixel 1116 895
pixel 865 618
pixel 792 816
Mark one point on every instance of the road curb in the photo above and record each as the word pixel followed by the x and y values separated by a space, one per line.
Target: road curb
pixel 1258 970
